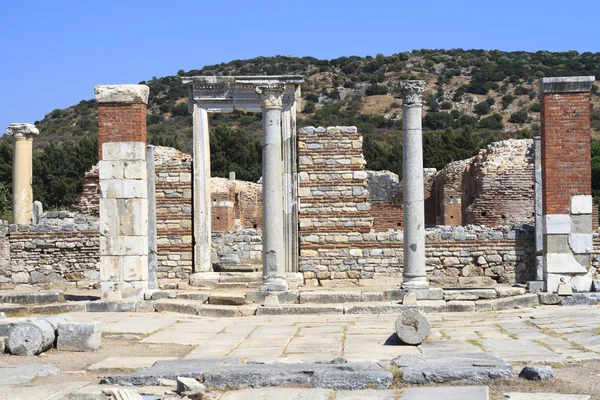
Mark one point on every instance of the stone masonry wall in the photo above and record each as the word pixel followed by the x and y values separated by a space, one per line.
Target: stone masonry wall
pixel 173 213
pixel 63 250
pixel 499 185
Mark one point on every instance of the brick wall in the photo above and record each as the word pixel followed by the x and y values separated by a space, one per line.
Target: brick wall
pixel 387 216
pixel 448 186
pixel 565 149
pixel 121 123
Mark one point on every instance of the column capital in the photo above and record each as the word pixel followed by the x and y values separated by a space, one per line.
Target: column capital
pixel 270 95
pixel 21 130
pixel 122 94
pixel 412 91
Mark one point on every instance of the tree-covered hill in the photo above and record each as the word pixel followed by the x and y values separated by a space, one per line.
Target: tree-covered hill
pixel 472 97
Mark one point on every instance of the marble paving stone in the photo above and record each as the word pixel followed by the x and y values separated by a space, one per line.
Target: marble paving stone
pixel 447 346
pixel 45 392
pixel 368 394
pixel 303 345
pixel 310 356
pixel 257 353
pixel 544 396
pixel 446 393
pixel 520 350
pixel 277 394
pixel 18 374
pixel 127 362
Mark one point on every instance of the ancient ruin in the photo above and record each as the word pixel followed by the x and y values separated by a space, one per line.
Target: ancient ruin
pixel 152 217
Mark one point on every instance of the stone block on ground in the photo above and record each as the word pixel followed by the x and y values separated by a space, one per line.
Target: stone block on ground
pixel 122 394
pixel 549 298
pixel 227 299
pixel 535 286
pixel 169 369
pixel 3 340
pixel 465 367
pixel 2 315
pixel 31 338
pixel 537 372
pixel 79 336
pixel 348 376
pixel 412 326
pixel 507 291
pixel 30 298
pixel 326 297
pixel 578 299
pixel 190 387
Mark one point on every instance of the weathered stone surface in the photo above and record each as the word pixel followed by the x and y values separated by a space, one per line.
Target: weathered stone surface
pixel 3 340
pixel 199 296
pixel 170 369
pixel 229 299
pixel 287 297
pixel 596 285
pixel 296 309
pixel 445 393
pixel 504 291
pixel 79 336
pixel 535 286
pixel 190 387
pixel 537 372
pixel 544 396
pixel 33 298
pixel 438 368
pixel 549 298
pixel 326 297
pixel 271 393
pixel 122 394
pixel 412 326
pixel 526 300
pixel 22 373
pixel 460 306
pixel 111 306
pixel 349 376
pixel 126 94
pixel 579 299
pixel 31 338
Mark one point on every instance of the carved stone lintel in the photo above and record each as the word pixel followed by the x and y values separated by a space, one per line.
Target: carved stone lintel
pixel 412 91
pixel 22 130
pixel 270 95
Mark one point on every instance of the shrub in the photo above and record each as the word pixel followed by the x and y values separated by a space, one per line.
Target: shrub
pixel 180 109
pixel 535 107
pixel 438 120
pixel 482 108
pixel 519 117
pixel 493 122
pixel 309 107
pixel 521 90
pixel 374 90
pixel 507 99
pixel 312 97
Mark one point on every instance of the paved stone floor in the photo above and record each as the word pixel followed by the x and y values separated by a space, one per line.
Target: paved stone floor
pixel 553 335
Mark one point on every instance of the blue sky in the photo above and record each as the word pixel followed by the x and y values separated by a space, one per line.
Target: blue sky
pixel 52 53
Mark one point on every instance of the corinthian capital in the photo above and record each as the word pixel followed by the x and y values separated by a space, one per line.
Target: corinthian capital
pixel 412 91
pixel 22 130
pixel 270 95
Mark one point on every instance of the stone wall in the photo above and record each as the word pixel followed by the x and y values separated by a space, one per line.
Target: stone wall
pixel 63 250
pixel 455 256
pixel 173 213
pixel 499 185
pixel 239 251
pixel 448 186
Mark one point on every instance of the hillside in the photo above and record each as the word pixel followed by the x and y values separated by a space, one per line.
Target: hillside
pixel 472 97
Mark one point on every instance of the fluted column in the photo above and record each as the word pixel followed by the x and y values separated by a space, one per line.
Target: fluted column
pixel 270 98
pixel 414 275
pixel 22 193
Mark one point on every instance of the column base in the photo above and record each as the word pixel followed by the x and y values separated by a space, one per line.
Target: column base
pixel 274 285
pixel 418 283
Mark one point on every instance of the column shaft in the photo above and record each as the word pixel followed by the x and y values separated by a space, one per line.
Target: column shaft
pixel 414 275
pixel 273 238
pixel 22 192
pixel 202 194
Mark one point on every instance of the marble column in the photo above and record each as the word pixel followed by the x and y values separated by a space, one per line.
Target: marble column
pixel 538 208
pixel 413 198
pixel 202 200
pixel 22 192
pixel 270 98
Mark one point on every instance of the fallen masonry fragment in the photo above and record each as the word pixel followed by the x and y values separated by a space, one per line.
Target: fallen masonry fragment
pixel 466 367
pixel 412 326
pixel 31 338
pixel 79 336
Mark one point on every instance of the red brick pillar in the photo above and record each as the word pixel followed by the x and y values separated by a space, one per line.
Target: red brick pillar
pixel 567 183
pixel 124 246
pixel 121 114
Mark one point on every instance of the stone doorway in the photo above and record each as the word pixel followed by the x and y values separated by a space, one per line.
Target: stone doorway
pixel 275 97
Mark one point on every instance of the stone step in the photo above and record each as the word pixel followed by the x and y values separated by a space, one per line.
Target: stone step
pixel 239 267
pixel 44 297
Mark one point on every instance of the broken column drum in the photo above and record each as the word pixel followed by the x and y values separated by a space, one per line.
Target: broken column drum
pixel 270 98
pixel 413 198
pixel 22 193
